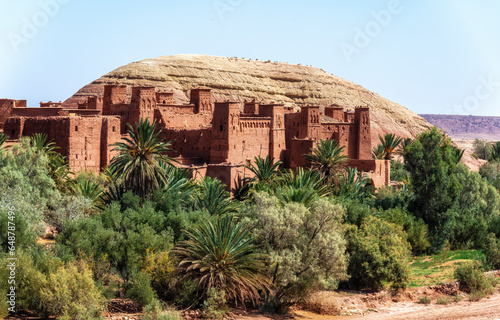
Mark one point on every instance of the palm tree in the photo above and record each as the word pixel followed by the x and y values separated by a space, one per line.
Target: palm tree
pixel 306 179
pixel 138 164
pixel 211 195
pixel 58 165
pixel 327 158
pixel 266 171
pixel 356 185
pixel 3 138
pixel 378 152
pixel 222 256
pixel 390 142
pixel 90 189
pixel 406 142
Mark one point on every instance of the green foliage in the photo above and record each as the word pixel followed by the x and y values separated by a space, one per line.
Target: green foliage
pixel 355 211
pixel 399 172
pixel 443 301
pixel 71 294
pixel 495 152
pixel 391 197
pixel 491 172
pixel 140 290
pixel 415 228
pixel 3 138
pixel 477 204
pixel 266 172
pixel 123 236
pixel 379 253
pixel 306 245
pixel 215 306
pixel 187 295
pixel 89 189
pixel 390 142
pixel 471 276
pixel 482 149
pixel 302 186
pixel 48 287
pixel 139 162
pixel 491 251
pixel 424 300
pixel 221 255
pixel 378 152
pixel 432 162
pixel 211 195
pixel 327 157
pixel 356 185
pixel 154 311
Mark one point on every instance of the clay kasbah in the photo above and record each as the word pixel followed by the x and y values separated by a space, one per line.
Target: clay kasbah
pixel 213 138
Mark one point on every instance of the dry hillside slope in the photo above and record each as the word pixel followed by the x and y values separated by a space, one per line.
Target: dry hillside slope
pixel 240 79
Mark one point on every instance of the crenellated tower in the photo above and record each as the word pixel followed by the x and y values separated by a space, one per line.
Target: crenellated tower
pixel 225 129
pixel 364 143
pixel 113 94
pixel 202 99
pixel 143 104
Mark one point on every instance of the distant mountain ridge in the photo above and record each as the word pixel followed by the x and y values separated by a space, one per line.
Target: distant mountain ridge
pixel 466 127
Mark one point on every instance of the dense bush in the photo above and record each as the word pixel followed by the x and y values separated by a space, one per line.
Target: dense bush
pixel 472 277
pixel 477 205
pixel 306 245
pixel 124 237
pixel 140 290
pixel 415 228
pixel 482 149
pixel 391 197
pixel 379 253
pixel 491 251
pixel 50 288
pixel 432 162
pixel 491 171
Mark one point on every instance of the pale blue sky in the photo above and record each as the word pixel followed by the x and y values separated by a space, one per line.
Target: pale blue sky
pixel 432 56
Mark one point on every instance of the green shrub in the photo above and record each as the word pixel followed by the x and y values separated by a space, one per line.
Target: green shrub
pixel 140 290
pixel 306 245
pixel 124 238
pixel 154 311
pixel 48 287
pixel 491 251
pixel 379 253
pixel 443 300
pixel 215 306
pixel 390 197
pixel 424 300
pixel 416 229
pixel 187 295
pixel 471 276
pixel 71 294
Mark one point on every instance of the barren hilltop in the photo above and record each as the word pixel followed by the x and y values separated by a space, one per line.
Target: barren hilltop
pixel 241 79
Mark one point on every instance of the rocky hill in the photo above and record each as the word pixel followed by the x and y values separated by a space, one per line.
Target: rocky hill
pixel 467 127
pixel 240 79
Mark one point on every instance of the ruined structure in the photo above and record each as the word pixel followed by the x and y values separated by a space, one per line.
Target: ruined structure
pixel 212 138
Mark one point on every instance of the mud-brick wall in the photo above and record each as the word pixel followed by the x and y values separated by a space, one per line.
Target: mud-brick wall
pixel 190 143
pixel 85 143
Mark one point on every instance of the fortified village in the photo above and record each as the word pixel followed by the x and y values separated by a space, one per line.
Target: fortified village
pixel 215 139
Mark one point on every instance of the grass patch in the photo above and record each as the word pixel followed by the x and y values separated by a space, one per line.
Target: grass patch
pixel 439 268
pixel 443 301
pixel 424 300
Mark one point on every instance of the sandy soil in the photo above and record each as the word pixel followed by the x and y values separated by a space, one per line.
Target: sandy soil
pixel 484 309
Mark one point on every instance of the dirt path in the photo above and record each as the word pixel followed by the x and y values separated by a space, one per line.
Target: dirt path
pixel 484 309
